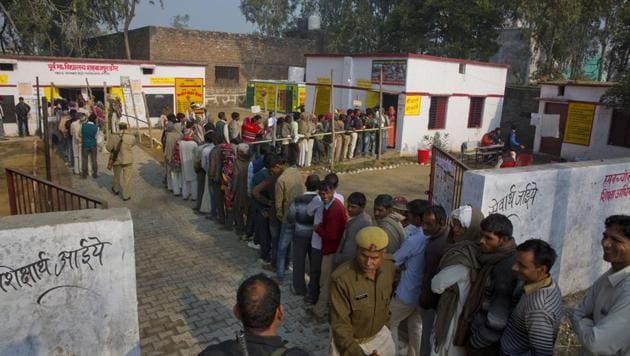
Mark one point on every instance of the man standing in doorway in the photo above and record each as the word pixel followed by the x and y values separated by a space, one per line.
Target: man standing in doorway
pixel 21 110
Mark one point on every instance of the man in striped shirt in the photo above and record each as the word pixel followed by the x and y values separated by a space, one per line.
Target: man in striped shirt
pixel 533 325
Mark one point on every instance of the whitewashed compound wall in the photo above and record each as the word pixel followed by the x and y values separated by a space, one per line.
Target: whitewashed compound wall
pixel 563 204
pixel 68 284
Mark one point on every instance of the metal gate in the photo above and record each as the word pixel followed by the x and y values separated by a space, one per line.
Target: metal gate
pixel 447 179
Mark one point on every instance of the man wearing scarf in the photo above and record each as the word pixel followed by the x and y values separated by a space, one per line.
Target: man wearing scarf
pixel 494 294
pixel 239 186
pixel 458 269
pixel 187 146
pixel 173 168
pixel 435 228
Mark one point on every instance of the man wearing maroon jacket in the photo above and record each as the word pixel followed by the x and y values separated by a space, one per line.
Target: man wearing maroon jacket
pixel 331 231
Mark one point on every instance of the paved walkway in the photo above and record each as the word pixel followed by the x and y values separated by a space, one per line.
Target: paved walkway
pixel 188 270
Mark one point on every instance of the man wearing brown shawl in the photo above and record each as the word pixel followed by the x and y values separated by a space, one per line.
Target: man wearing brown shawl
pixel 458 269
pixel 239 186
pixel 494 293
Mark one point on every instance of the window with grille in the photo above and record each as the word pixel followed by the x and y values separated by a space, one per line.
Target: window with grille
pixel 226 76
pixel 437 112
pixel 619 129
pixel 475 112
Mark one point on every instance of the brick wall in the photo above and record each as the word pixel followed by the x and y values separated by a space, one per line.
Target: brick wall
pixel 518 105
pixel 113 46
pixel 256 57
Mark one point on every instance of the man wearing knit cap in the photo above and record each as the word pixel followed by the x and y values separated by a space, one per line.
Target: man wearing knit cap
pixel 360 296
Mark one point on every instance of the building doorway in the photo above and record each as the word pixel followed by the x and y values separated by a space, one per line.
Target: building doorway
pixel 390 100
pixel 553 145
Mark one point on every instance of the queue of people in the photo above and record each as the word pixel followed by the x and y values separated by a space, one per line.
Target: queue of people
pixel 459 280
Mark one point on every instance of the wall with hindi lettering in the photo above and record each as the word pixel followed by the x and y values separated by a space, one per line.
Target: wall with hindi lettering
pixel 68 284
pixel 564 204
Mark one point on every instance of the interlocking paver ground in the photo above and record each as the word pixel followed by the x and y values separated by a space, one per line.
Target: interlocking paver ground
pixel 187 270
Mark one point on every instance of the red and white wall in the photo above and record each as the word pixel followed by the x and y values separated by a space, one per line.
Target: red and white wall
pixel 426 77
pixel 73 72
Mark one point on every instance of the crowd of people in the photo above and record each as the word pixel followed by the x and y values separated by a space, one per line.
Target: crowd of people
pixel 457 279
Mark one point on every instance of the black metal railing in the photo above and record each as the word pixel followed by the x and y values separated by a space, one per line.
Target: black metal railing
pixel 31 195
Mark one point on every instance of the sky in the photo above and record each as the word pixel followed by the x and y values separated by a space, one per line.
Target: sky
pixel 211 15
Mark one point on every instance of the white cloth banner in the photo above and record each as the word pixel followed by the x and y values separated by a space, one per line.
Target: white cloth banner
pixel 550 126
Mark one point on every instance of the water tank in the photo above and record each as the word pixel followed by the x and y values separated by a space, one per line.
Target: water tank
pixel 314 22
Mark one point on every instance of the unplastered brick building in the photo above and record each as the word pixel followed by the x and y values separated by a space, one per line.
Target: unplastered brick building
pixel 232 59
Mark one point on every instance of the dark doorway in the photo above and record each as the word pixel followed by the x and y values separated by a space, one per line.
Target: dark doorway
pixel 552 145
pixel 8 107
pixel 390 100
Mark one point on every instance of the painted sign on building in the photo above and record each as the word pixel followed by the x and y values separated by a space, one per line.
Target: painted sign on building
pixel 412 105
pixel 187 91
pixel 579 124
pixel 394 71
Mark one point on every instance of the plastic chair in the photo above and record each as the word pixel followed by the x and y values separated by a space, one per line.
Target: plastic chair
pixel 525 159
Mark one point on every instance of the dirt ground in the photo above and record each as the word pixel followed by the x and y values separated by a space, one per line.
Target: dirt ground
pixel 27 155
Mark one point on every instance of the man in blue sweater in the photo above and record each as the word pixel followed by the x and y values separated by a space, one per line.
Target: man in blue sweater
pixel 88 146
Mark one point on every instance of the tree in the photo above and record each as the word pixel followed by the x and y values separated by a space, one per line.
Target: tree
pixel 180 21
pixel 272 17
pixel 618 96
pixel 53 27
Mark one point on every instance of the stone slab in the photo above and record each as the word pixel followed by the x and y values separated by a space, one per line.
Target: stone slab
pixel 68 284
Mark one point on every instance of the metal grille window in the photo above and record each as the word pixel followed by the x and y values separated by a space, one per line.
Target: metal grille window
pixel 227 76
pixel 437 112
pixel 475 112
pixel 619 129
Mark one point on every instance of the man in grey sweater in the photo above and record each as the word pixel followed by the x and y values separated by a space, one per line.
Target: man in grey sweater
pixel 534 323
pixel 358 220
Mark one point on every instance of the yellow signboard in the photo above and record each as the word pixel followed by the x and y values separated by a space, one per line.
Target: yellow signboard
pixel 363 83
pixel 187 91
pixel 412 105
pixel 4 79
pixel 51 93
pixel 301 96
pixel 116 92
pixel 579 124
pixel 265 96
pixel 323 80
pixel 162 81
pixel 322 100
pixel 371 99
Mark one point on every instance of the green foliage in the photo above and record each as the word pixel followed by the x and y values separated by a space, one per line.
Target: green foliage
pixel 271 16
pixel 60 27
pixel 180 21
pixel 618 96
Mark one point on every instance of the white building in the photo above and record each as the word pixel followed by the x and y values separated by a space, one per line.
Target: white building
pixel 163 83
pixel 574 125
pixel 430 94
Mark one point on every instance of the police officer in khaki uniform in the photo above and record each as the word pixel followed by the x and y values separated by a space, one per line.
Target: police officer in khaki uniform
pixel 120 146
pixel 360 294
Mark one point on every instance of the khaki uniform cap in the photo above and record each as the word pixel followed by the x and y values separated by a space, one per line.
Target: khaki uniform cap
pixel 372 238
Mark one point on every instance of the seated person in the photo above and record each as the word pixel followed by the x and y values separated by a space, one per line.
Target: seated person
pixel 496 136
pixel 507 160
pixel 491 138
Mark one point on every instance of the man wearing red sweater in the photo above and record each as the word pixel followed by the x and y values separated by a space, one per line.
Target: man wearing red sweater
pixel 331 231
